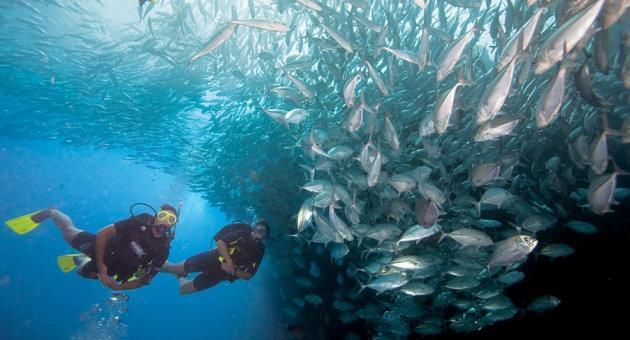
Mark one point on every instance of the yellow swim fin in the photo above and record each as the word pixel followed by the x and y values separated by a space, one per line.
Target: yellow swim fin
pixel 69 262
pixel 23 224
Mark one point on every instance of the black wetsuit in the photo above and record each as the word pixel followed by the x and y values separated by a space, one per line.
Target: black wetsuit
pixel 133 248
pixel 246 253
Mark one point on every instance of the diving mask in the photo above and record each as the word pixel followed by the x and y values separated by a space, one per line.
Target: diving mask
pixel 166 217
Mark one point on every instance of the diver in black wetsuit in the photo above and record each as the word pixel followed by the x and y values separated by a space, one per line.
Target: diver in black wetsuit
pixel 123 255
pixel 239 251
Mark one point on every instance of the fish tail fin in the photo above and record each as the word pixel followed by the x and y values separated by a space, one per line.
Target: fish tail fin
pixel 355 268
pixel 314 18
pixel 607 128
pixel 566 61
pixel 361 286
pixel 442 236
pixel 296 235
pixel 463 80
pixel 366 252
pixel 516 226
pixel 520 50
pixel 618 170
pixel 478 27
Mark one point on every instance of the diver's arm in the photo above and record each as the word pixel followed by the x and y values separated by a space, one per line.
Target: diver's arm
pixel 241 274
pixel 226 255
pixel 101 244
pixel 131 285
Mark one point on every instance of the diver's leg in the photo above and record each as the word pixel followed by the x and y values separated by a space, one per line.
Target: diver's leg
pixel 202 281
pixel 194 264
pixel 62 221
pixel 186 286
pixel 87 269
pixel 85 242
pixel 176 269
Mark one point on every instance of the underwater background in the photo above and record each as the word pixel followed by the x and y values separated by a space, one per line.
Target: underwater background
pixel 107 103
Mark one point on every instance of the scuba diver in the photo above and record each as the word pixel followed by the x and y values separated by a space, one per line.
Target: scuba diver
pixel 124 255
pixel 240 249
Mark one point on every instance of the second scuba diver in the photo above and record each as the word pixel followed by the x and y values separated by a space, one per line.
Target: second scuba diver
pixel 124 255
pixel 240 249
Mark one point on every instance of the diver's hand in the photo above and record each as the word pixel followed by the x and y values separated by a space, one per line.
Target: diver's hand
pixel 117 287
pixel 105 278
pixel 108 281
pixel 228 267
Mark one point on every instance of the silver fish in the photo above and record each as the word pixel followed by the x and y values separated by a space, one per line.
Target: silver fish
pixel 427 212
pixel 423 50
pixel 462 283
pixel 382 232
pixel 417 233
pixel 262 24
pixel 543 304
pixel 305 214
pixel 557 250
pixel 526 33
pixel 511 278
pixel 537 222
pixel 420 3
pixel 582 227
pixel 340 226
pixel 340 152
pixel 511 250
pixel 497 303
pixel 601 192
pixel 349 90
pixel 215 41
pixel 276 114
pixel 301 86
pixel 402 183
pixel 385 283
pixel 377 79
pixel 495 94
pixel 443 109
pixel 390 135
pixel 343 42
pixel 452 55
pixel 566 37
pixel 613 10
pixel 312 4
pixel 483 174
pixel 417 288
pixel 403 55
pixel 549 104
pixel 432 192
pixel 468 237
pixel 409 262
pixel 295 116
pixel 375 170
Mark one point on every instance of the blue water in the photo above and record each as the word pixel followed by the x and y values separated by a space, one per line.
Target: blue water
pixel 95 188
